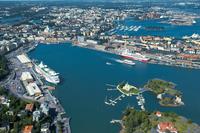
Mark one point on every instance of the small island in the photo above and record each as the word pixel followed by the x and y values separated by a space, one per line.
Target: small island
pixel 134 121
pixel 166 92
pixel 128 89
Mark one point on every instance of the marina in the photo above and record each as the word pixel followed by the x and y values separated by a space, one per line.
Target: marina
pixel 126 28
pixel 113 102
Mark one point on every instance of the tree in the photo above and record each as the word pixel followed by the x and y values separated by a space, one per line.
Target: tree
pixel 3 67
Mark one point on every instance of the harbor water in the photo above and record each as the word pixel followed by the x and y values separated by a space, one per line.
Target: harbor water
pixel 85 73
pixel 167 29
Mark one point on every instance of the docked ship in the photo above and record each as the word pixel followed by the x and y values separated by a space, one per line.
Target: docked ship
pixel 48 74
pixel 134 56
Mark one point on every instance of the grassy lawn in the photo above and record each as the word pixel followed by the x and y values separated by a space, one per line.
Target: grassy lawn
pixel 132 89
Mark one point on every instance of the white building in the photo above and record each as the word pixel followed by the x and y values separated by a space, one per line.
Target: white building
pixel 23 59
pixel 26 76
pixel 44 107
pixel 36 115
pixel 33 89
pixel 91 42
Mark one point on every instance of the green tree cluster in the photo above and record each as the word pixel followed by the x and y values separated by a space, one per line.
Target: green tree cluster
pixel 159 86
pixel 135 121
pixel 3 67
pixel 17 121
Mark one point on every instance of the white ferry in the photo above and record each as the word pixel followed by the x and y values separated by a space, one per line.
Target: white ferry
pixel 129 62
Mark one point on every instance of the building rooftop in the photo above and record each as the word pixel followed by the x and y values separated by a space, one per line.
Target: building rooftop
pixel 33 89
pixel 23 59
pixel 166 126
pixel 29 107
pixel 28 129
pixel 26 76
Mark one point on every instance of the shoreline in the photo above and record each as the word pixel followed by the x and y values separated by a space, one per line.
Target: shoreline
pixel 153 58
pixel 179 120
pixel 54 102
pixel 150 62
pixel 59 107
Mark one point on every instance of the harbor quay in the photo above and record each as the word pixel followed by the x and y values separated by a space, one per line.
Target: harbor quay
pixel 25 83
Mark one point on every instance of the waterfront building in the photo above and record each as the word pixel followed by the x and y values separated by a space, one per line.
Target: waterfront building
pixel 91 42
pixel 80 39
pixel 33 89
pixel 24 60
pixel 26 76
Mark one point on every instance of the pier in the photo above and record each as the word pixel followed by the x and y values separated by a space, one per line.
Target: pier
pixel 139 97
pixel 113 102
pixel 141 101
pixel 113 121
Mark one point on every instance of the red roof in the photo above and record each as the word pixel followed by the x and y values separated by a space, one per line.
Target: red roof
pixel 158 113
pixel 29 107
pixel 163 126
pixel 28 129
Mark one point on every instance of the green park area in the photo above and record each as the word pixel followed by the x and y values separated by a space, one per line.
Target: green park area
pixel 127 89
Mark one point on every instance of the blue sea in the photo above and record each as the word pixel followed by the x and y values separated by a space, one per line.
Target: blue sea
pixel 83 89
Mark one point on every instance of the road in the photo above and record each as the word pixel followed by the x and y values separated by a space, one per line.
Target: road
pixel 14 85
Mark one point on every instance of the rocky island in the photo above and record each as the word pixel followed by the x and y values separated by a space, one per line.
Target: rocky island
pixel 166 92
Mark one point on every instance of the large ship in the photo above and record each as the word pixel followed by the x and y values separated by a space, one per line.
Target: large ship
pixel 134 56
pixel 49 75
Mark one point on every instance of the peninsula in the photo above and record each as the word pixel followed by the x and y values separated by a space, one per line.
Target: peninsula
pixel 134 121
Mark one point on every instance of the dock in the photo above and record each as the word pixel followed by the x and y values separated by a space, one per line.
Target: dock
pixel 113 102
pixel 113 121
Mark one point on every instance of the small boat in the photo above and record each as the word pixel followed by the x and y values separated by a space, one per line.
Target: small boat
pixel 139 103
pixel 128 62
pixel 107 103
pixel 142 107
pixel 108 63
